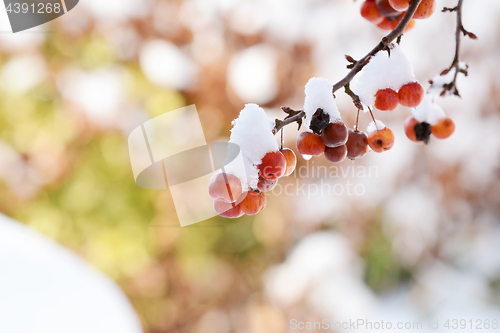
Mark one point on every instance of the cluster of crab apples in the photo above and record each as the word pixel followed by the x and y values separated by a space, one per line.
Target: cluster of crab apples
pixel 387 14
pixel 338 143
pixel 409 95
pixel 227 191
pixel 421 131
pixel 385 82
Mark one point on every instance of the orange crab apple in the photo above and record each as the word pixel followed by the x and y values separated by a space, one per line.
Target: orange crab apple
pixel 444 128
pixel 370 11
pixel 273 165
pixel 409 26
pixel 386 99
pixel 226 209
pixel 309 143
pixel 411 94
pixel 291 160
pixel 254 202
pixel 425 9
pixel 381 140
pixel 409 127
pixel 386 24
pixel 225 187
pixel 266 185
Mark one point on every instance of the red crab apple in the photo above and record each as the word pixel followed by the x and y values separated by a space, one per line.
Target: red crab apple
pixel 291 160
pixel 226 209
pixel 386 99
pixel 336 154
pixel 309 143
pixel 400 5
pixel 444 128
pixel 394 24
pixel 266 185
pixel 425 9
pixel 225 187
pixel 409 127
pixel 411 94
pixel 381 140
pixel 334 135
pixel 357 144
pixel 386 24
pixel 253 203
pixel 273 165
pixel 370 11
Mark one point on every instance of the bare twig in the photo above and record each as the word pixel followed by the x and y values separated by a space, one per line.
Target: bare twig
pixel 357 66
pixel 398 31
pixel 355 98
pixel 452 86
pixel 289 120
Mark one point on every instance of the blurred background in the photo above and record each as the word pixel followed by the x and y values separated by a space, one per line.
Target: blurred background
pixel 420 242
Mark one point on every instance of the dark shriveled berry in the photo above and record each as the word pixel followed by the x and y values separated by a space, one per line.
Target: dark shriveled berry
pixel 423 132
pixel 319 121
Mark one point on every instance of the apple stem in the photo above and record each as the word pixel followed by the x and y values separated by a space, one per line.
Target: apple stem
pixel 281 138
pixel 357 121
pixel 373 118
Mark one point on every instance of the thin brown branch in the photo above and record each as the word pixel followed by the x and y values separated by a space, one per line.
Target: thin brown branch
pixel 456 58
pixel 289 120
pixel 398 31
pixel 452 86
pixel 358 65
pixel 354 97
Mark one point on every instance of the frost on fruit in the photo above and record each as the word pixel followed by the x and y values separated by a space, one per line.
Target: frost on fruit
pixel 319 96
pixel 383 71
pixel 253 132
pixel 428 111
pixel 375 126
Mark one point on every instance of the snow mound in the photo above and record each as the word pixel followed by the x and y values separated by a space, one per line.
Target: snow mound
pixel 375 126
pixel 382 72
pixel 428 111
pixel 253 132
pixel 319 95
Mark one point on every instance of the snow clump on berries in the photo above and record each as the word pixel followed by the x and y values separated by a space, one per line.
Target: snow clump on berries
pixel 428 111
pixel 375 126
pixel 383 71
pixel 319 95
pixel 253 132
